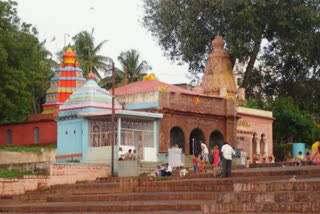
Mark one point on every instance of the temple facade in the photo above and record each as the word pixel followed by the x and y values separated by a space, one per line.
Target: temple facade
pixel 208 113
pixel 85 128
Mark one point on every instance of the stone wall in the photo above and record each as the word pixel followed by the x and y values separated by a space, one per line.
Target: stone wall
pixel 11 157
pixel 59 174
pixel 42 167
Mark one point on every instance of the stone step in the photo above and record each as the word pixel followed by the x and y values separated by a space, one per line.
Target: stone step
pixel 111 207
pixel 87 185
pixel 218 197
pixel 131 212
pixel 299 207
pixel 237 187
pixel 136 197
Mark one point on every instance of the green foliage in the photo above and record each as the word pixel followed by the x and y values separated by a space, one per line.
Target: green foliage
pixel 88 56
pixel 27 148
pixel 292 124
pixel 136 69
pixel 281 151
pixel 25 67
pixel 286 32
pixel 13 173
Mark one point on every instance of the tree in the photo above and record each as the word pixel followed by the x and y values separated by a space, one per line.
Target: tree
pixel 291 124
pixel 24 67
pixel 88 56
pixel 185 28
pixel 131 63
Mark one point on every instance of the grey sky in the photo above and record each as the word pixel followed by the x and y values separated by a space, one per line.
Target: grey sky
pixel 118 21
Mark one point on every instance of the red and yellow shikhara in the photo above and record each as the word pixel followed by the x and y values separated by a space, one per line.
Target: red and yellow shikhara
pixel 68 77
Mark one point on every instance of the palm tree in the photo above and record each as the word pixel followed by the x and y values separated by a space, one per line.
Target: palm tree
pixel 136 70
pixel 130 63
pixel 88 56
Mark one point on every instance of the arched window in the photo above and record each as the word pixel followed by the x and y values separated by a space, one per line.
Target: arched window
pixel 9 136
pixel 177 138
pixel 36 134
pixel 196 137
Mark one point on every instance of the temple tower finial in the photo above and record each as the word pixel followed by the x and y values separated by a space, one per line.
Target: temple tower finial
pixel 218 72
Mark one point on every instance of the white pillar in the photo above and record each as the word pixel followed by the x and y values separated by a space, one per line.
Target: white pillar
pixel 265 142
pixel 257 141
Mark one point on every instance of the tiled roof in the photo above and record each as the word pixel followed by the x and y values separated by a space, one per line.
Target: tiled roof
pixel 148 86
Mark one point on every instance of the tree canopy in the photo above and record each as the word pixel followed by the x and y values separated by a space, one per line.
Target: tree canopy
pixel 25 67
pixel 88 54
pixel 185 29
pixel 130 62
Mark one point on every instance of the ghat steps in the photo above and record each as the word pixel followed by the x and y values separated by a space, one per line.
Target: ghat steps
pixel 267 190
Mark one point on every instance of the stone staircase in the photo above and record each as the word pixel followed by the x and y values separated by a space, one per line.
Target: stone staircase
pixel 263 190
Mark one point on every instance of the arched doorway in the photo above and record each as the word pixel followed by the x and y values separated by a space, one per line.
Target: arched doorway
pixel 196 137
pixel 216 139
pixel 177 138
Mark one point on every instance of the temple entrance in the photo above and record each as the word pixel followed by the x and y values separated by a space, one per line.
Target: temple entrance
pixel 196 137
pixel 216 139
pixel 177 138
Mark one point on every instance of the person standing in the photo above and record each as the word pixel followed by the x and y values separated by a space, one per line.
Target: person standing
pixel 205 152
pixel 216 160
pixel 227 152
pixel 195 163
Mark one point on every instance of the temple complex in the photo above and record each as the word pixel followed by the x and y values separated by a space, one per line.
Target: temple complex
pixel 150 116
pixel 210 112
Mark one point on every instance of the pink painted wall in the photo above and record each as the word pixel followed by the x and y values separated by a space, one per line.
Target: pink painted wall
pixel 250 124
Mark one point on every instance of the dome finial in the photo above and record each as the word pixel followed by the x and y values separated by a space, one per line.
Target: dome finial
pixel 91 76
pixel 218 43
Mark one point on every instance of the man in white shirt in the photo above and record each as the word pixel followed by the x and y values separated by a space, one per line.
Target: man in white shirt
pixel 167 171
pixel 121 154
pixel 205 152
pixel 227 152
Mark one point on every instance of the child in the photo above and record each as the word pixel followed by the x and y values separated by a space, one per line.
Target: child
pixel 183 172
pixel 195 163
pixel 271 160
pixel 308 158
pixel 299 159
pixel 248 162
pixel 157 172
pixel 201 164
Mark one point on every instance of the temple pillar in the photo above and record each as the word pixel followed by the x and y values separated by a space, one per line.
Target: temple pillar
pixel 265 144
pixel 257 142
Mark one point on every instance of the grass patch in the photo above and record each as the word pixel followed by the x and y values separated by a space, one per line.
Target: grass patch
pixel 13 173
pixel 27 148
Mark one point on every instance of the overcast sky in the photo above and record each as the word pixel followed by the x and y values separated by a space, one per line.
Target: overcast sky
pixel 118 21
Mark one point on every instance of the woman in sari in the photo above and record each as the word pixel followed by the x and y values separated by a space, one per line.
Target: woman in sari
pixel 216 160
pixel 316 153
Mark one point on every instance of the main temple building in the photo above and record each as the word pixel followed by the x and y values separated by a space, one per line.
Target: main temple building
pixel 150 116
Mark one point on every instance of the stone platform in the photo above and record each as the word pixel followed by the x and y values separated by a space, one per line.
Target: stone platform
pixel 262 190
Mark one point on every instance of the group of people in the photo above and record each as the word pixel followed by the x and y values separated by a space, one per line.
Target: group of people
pixel 165 170
pixel 226 154
pixel 130 155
